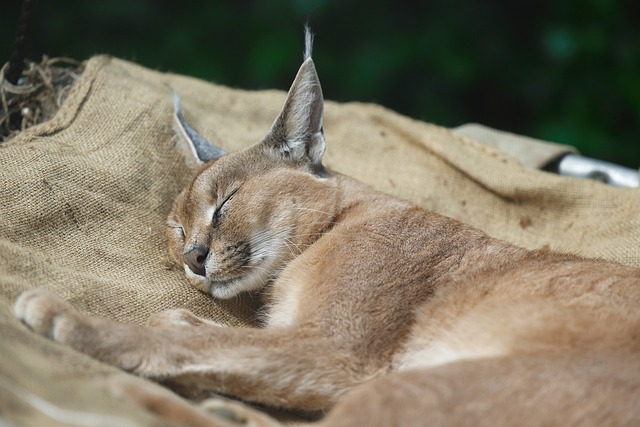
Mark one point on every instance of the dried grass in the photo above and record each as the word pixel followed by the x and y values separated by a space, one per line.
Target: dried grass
pixel 40 91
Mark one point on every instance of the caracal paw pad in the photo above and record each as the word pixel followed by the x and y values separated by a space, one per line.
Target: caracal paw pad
pixel 44 312
pixel 178 317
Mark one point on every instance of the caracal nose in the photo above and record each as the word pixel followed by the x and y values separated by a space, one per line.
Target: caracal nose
pixel 196 258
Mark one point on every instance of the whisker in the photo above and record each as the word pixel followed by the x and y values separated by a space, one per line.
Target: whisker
pixel 302 208
pixel 288 243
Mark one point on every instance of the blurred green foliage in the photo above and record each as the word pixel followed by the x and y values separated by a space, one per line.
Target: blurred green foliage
pixel 565 70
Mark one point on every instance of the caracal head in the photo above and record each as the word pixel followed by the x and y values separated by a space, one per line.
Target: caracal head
pixel 246 214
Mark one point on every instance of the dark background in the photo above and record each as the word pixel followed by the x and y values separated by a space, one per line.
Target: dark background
pixel 561 70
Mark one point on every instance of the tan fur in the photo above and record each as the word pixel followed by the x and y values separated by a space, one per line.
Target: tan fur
pixel 390 313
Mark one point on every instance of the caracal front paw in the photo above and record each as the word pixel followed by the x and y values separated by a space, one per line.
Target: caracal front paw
pixel 129 347
pixel 46 314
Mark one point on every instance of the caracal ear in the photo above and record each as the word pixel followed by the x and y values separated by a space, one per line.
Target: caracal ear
pixel 195 147
pixel 297 134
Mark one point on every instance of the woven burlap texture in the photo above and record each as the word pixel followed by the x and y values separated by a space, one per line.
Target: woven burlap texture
pixel 85 196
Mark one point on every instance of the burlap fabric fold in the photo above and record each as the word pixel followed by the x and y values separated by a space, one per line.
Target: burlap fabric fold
pixel 530 152
pixel 85 195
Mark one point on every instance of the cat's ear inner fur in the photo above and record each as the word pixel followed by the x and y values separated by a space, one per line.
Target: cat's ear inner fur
pixel 297 134
pixel 195 147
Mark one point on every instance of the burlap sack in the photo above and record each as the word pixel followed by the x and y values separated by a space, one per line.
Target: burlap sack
pixel 85 195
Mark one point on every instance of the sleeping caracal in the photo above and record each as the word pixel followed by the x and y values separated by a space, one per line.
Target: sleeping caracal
pixel 375 309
